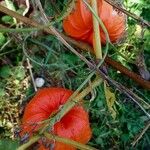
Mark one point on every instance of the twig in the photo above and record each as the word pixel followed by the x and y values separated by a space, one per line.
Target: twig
pixel 5 44
pixel 4 53
pixel 29 143
pixel 140 135
pixel 58 139
pixel 129 73
pixel 142 94
pixel 140 61
pixel 82 45
pixel 31 74
pixel 139 19
pixel 68 141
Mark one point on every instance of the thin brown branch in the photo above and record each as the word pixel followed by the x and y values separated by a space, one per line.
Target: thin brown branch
pixel 137 18
pixel 81 45
pixel 137 78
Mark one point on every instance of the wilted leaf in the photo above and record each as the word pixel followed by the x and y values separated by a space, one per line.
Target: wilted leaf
pixel 110 99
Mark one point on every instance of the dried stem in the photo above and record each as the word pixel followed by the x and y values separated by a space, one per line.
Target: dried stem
pixel 137 78
pixel 68 141
pixel 97 39
pixel 30 142
pixel 56 138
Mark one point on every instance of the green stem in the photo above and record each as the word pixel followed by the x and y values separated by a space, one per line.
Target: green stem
pixel 8 52
pixel 29 143
pixel 68 141
pixel 19 29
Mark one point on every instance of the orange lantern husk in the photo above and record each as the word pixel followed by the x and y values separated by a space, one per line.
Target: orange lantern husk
pixel 74 125
pixel 79 23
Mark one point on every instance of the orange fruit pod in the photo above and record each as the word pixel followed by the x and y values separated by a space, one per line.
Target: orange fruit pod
pixel 74 125
pixel 79 23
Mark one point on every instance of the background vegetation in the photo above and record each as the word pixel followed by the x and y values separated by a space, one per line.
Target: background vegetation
pixel 59 67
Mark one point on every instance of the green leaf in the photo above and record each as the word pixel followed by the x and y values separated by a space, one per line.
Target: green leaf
pixel 8 145
pixel 125 137
pixel 7 19
pixel 145 13
pixel 99 140
pixel 70 59
pixel 2 39
pixel 20 73
pixel 5 71
pixel 2 92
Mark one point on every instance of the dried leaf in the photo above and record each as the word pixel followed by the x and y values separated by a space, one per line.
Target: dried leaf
pixel 110 99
